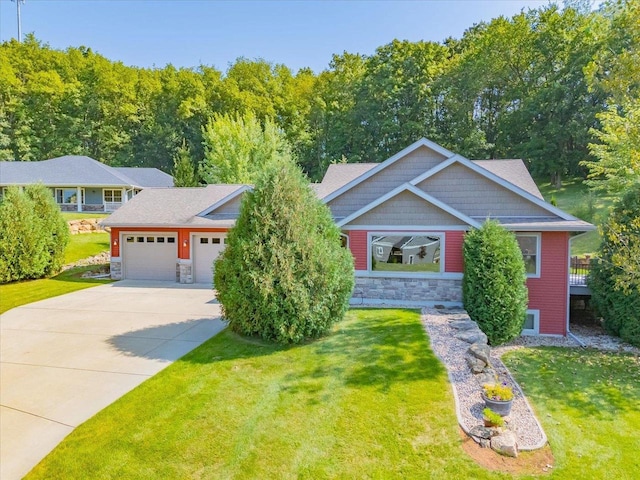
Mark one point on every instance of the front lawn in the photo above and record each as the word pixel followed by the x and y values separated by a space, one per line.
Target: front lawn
pixel 82 215
pixel 589 404
pixel 21 293
pixel 86 245
pixel 369 401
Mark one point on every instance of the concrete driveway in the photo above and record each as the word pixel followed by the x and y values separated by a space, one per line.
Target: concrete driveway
pixel 64 359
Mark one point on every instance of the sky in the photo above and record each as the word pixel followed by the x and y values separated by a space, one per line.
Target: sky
pixel 189 33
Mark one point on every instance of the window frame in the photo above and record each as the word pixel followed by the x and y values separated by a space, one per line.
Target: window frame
pixel 407 233
pixel 535 331
pixel 112 192
pixel 538 252
pixel 75 191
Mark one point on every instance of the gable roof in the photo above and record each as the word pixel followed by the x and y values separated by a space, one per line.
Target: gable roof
pixel 407 187
pixel 238 191
pixel 76 170
pixel 338 175
pixel 499 180
pixel 170 206
pixel 513 171
pixel 423 142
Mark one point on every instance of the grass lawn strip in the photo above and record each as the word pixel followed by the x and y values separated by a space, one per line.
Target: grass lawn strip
pixel 369 401
pixel 589 404
pixel 86 245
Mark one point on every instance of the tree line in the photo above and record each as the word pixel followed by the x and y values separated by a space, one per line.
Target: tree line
pixel 542 85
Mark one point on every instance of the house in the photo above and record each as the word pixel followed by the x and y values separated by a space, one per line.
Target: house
pixel 404 221
pixel 83 184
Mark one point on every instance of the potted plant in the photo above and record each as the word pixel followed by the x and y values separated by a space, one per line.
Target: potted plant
pixel 498 397
pixel 491 418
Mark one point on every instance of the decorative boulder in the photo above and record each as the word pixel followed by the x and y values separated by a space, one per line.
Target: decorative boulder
pixel 475 364
pixel 481 351
pixel 473 335
pixel 463 324
pixel 505 444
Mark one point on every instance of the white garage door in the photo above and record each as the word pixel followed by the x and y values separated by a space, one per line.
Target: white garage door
pixel 150 256
pixel 206 248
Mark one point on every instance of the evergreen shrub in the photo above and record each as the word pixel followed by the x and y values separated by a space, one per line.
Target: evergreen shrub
pixel 493 287
pixel 283 275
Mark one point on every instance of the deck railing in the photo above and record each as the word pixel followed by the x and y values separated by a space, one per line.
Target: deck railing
pixel 579 270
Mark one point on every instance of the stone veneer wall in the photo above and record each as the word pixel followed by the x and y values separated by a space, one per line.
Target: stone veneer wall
pixel 419 290
pixel 116 269
pixel 185 272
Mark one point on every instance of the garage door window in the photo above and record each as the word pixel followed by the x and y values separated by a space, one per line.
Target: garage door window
pixel 171 240
pixel 215 240
pixel 204 240
pixel 160 239
pixel 130 239
pixel 151 239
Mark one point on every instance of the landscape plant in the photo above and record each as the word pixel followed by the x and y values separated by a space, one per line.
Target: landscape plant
pixel 33 234
pixel 493 286
pixel 615 275
pixel 283 275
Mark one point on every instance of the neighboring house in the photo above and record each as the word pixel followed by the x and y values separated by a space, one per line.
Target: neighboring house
pixel 404 221
pixel 83 184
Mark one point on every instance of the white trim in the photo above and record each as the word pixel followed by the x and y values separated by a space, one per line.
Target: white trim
pixel 428 276
pixel 535 331
pixel 113 191
pixel 556 228
pixel 538 253
pixel 406 187
pixel 409 228
pixel 423 142
pixel 499 180
pixel 228 198
pixel 382 273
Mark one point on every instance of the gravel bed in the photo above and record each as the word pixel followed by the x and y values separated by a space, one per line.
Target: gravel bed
pixel 466 388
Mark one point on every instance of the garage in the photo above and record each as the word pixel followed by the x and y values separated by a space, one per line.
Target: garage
pixel 206 248
pixel 150 256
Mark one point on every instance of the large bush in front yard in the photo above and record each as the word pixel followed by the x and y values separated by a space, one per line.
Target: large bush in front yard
pixel 615 277
pixel 33 234
pixel 283 275
pixel 493 288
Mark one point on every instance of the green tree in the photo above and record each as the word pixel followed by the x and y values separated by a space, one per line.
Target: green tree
pixel 493 287
pixel 615 277
pixel 238 148
pixel 616 70
pixel 52 224
pixel 283 275
pixel 184 172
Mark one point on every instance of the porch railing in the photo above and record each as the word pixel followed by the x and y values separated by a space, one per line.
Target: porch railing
pixel 579 269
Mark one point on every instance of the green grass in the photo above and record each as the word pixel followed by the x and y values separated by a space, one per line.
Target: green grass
pixel 86 245
pixel 575 198
pixel 82 215
pixel 589 405
pixel 369 401
pixel 21 293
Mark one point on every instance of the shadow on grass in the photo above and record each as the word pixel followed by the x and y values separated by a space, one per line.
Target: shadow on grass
pixel 376 348
pixel 592 383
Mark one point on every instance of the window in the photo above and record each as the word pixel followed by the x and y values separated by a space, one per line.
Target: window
pixel 344 241
pixel 204 240
pixel 171 240
pixel 406 253
pixel 112 196
pixel 68 195
pixel 140 239
pixel 130 239
pixel 160 239
pixel 531 323
pixel 530 248
pixel 151 239
pixel 215 240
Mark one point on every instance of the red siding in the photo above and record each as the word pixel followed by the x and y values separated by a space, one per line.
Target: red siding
pixel 358 246
pixel 549 292
pixel 453 252
pixel 184 235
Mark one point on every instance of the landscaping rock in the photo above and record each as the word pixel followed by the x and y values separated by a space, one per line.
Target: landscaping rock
pixel 475 364
pixel 481 351
pixel 505 444
pixel 474 335
pixel 479 432
pixel 488 375
pixel 463 324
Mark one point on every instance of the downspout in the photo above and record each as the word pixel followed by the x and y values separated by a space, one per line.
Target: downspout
pixel 569 334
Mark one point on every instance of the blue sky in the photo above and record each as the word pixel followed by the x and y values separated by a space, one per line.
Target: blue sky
pixel 299 34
